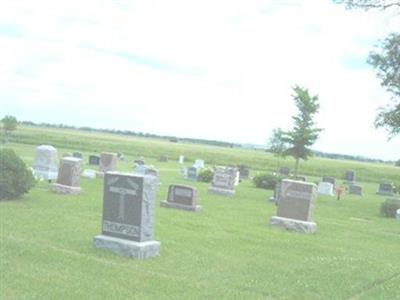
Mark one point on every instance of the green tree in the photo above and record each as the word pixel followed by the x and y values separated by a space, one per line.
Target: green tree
pixel 276 145
pixel 9 124
pixel 304 133
pixel 387 64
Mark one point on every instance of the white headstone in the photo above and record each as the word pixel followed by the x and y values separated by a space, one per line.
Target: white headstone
pixel 325 188
pixel 89 173
pixel 181 159
pixel 237 178
pixel 46 163
pixel 199 164
pixel 398 214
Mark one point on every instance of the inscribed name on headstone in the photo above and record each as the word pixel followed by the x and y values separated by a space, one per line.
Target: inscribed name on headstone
pixel 386 189
pixel 297 200
pixel 69 173
pixel 182 197
pixel 46 162
pixel 355 189
pixel 325 188
pixel 94 160
pixel 128 215
pixel 108 162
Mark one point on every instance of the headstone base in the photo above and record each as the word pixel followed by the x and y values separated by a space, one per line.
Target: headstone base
pixel 220 191
pixel 138 250
pixel 45 175
pixel 65 189
pixel 167 204
pixel 292 224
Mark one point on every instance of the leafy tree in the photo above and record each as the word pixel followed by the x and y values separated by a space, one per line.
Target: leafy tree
pixel 276 145
pixel 387 64
pixel 370 4
pixel 304 133
pixel 9 124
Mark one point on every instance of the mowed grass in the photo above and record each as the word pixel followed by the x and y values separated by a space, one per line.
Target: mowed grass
pixel 227 252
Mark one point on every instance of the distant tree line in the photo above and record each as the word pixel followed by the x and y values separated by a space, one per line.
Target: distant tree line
pixel 172 139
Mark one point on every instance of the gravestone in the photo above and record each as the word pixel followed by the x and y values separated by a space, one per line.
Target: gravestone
pixel 77 155
pixel 398 214
pixel 237 177
pixel 128 215
pixel 325 188
pixel 94 160
pixel 350 176
pixel 139 162
pixel 386 189
pixel 191 173
pixel 88 173
pixel 146 170
pixel 355 189
pixel 296 206
pixel 181 159
pixel 277 194
pixel 164 158
pixel 46 163
pixel 108 162
pixel 199 164
pixel 182 197
pixel 284 171
pixel 68 177
pixel 329 179
pixel 223 182
pixel 244 172
pixel 67 154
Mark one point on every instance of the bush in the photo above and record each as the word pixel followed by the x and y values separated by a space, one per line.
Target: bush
pixel 389 208
pixel 15 178
pixel 205 175
pixel 266 181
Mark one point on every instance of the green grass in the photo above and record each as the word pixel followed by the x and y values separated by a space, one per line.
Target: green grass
pixel 227 252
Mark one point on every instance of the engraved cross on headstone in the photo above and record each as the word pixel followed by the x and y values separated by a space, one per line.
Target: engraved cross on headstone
pixel 122 193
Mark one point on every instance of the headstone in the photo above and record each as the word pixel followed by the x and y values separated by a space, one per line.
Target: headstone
pixel 108 162
pixel 325 188
pixel 164 158
pixel 277 194
pixel 77 155
pixel 94 160
pixel 350 176
pixel 88 173
pixel 244 172
pixel 296 206
pixel 182 197
pixel 355 189
pixel 128 215
pixel 146 170
pixel 181 159
pixel 68 176
pixel 67 154
pixel 237 178
pixel 199 164
pixel 46 163
pixel 139 162
pixel 329 179
pixel 398 214
pixel 223 181
pixel 284 171
pixel 386 189
pixel 191 173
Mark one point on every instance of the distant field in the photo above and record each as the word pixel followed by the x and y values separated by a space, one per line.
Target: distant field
pixel 152 148
pixel 227 252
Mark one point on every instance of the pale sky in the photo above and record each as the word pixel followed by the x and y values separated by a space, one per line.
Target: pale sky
pixel 213 69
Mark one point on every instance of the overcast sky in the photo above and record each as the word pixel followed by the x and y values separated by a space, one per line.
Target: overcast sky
pixel 213 69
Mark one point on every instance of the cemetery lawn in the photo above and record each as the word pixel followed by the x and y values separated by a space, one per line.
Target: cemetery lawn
pixel 226 252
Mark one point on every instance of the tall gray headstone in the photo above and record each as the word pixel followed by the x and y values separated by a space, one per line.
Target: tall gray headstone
pixel 69 173
pixel 46 162
pixel 108 162
pixel 296 206
pixel 182 197
pixel 191 173
pixel 128 215
pixel 223 182
pixel 350 176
